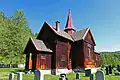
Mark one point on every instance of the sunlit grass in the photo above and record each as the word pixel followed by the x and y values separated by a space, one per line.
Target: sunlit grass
pixel 4 73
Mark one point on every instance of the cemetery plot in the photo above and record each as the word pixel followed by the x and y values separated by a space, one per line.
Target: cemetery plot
pixel 5 72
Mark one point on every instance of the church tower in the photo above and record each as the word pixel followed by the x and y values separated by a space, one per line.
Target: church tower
pixel 69 28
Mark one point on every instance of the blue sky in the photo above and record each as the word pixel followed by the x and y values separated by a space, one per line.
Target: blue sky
pixel 102 16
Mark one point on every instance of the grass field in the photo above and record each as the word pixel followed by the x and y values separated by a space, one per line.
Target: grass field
pixel 4 73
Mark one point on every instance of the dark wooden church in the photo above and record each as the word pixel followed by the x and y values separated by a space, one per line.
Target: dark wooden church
pixel 61 49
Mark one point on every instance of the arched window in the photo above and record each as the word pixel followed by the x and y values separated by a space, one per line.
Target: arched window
pixel 89 51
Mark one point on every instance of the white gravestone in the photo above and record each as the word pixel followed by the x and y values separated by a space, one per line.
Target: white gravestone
pixel 38 75
pixel 100 75
pixel 19 76
pixel 11 76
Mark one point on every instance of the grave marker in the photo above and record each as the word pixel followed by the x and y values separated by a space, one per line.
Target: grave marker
pixel 118 68
pixel 77 76
pixel 110 69
pixel 88 72
pixel 91 77
pixel 38 75
pixel 63 77
pixel 11 76
pixel 19 76
pixel 107 70
pixel 100 75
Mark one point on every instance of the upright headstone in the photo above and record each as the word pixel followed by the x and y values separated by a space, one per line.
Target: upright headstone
pixel 116 73
pixel 107 70
pixel 19 76
pixel 38 75
pixel 100 75
pixel 110 69
pixel 63 77
pixel 118 68
pixel 11 76
pixel 91 77
pixel 88 72
pixel 77 76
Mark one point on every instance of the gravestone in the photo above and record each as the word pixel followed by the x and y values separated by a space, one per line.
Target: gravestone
pixel 116 73
pixel 100 75
pixel 38 75
pixel 118 68
pixel 19 76
pixel 88 72
pixel 11 76
pixel 63 77
pixel 91 77
pixel 107 70
pixel 110 69
pixel 77 76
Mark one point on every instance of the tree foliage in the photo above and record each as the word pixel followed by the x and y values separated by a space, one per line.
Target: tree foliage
pixel 14 35
pixel 110 58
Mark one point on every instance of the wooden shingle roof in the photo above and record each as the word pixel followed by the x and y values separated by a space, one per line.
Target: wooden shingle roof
pixel 61 33
pixel 40 45
pixel 78 35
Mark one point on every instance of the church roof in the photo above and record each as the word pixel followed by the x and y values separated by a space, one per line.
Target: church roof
pixel 78 35
pixel 40 45
pixel 61 33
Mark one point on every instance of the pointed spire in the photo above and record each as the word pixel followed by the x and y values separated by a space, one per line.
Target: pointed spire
pixel 69 25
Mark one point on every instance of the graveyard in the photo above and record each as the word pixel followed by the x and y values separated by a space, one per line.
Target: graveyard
pixel 41 40
pixel 4 75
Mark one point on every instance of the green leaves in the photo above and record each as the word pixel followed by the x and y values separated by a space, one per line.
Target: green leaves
pixel 14 35
pixel 110 58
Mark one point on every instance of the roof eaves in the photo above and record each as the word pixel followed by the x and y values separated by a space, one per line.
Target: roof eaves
pixel 47 50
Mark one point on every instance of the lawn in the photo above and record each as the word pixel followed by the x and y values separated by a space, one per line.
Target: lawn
pixel 4 73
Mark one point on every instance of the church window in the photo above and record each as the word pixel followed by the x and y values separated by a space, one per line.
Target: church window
pixel 43 57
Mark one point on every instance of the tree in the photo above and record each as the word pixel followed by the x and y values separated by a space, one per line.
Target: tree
pixel 14 35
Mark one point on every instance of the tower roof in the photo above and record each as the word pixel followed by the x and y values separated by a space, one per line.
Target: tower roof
pixel 69 24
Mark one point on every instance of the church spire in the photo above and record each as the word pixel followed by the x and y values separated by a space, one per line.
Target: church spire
pixel 69 28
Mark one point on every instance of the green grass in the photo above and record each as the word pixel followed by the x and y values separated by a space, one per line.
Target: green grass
pixel 4 73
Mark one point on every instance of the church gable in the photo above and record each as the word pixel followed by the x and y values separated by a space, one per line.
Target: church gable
pixel 88 37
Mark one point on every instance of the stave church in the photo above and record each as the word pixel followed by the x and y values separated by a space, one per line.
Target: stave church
pixel 61 50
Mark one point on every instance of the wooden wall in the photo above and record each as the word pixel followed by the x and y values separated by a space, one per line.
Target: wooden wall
pixel 77 55
pixel 30 49
pixel 89 51
pixel 98 59
pixel 61 55
pixel 43 60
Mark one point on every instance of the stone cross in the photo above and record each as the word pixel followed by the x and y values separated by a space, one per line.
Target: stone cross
pixel 11 76
pixel 38 75
pixel 19 76
pixel 100 75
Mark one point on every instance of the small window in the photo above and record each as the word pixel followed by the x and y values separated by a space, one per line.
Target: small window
pixel 89 45
pixel 62 57
pixel 43 57
pixel 96 58
pixel 89 52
